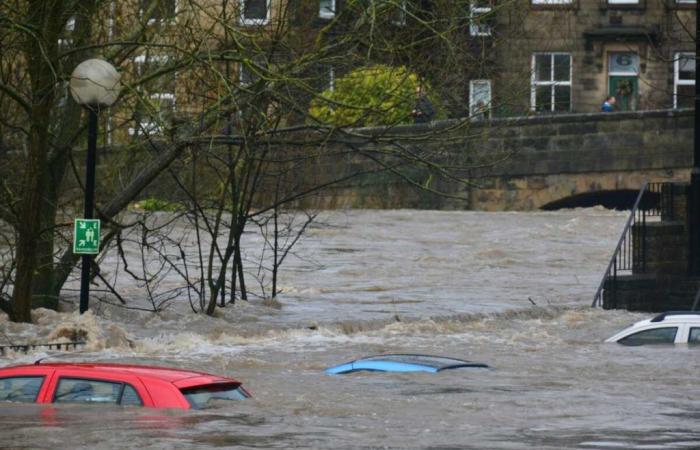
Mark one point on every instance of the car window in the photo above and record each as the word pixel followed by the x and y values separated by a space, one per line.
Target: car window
pixel 665 335
pixel 79 390
pixel 20 389
pixel 130 397
pixel 694 336
pixel 199 397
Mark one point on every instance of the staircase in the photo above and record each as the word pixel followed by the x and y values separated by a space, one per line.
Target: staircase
pixel 648 269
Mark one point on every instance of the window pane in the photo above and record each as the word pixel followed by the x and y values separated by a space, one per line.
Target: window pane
pixel 163 10
pixel 543 98
pixel 480 18
pixel 694 336
pixel 686 67
pixel 624 63
pixel 398 13
pixel 327 8
pixel 200 397
pixel 76 390
pixel 543 67
pixel 20 389
pixel 246 75
pixel 562 67
pixel 562 98
pixel 480 97
pixel 130 397
pixel 656 336
pixel 255 9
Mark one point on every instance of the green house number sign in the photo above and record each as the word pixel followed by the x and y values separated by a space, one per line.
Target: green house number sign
pixel 86 236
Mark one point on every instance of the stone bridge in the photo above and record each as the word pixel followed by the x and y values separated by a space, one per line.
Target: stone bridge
pixel 549 162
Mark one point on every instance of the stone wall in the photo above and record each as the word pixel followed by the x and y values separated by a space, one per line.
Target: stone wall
pixel 536 161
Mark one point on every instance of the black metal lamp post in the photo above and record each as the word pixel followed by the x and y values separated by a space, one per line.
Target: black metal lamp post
pixel 94 84
pixel 694 194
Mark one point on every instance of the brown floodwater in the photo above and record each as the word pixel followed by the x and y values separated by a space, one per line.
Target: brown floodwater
pixel 512 290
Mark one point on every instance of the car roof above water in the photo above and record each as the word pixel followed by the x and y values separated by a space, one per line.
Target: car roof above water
pixel 676 316
pixel 403 363
pixel 161 373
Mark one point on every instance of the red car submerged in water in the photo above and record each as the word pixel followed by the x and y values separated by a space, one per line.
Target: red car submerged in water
pixel 116 384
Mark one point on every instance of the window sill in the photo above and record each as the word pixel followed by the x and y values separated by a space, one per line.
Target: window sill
pixel 254 22
pixel 555 7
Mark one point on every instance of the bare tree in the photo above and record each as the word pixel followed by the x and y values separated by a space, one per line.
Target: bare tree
pixel 215 115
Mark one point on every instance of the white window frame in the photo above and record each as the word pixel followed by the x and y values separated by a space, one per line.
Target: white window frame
pixel 676 72
pixel 477 29
pixel 68 30
pixel 552 83
pixel 473 100
pixel 331 78
pixel 401 11
pixel 623 2
pixel 149 126
pixel 162 20
pixel 552 2
pixel 244 21
pixel 325 13
pixel 242 68
pixel 686 2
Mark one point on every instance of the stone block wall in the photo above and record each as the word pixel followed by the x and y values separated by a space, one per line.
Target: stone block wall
pixel 527 163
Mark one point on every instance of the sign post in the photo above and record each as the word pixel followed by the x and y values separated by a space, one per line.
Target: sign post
pixel 86 237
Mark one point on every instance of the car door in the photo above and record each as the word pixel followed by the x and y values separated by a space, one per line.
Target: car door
pixel 694 335
pixel 682 335
pixel 24 385
pixel 655 334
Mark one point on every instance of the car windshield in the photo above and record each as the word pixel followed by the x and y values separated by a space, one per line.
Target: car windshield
pixel 199 397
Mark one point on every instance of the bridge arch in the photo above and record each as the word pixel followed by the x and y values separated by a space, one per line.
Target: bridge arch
pixel 619 199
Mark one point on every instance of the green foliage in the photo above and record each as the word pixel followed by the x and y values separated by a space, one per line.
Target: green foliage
pixel 156 204
pixel 376 95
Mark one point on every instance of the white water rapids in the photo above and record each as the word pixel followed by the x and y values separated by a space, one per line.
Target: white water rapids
pixel 512 290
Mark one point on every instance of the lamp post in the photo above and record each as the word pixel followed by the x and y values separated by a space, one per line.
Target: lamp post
pixel 93 84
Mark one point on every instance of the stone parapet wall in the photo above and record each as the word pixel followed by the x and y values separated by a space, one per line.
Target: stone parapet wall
pixel 536 160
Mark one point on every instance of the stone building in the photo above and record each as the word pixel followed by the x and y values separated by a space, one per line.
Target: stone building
pixel 514 57
pixel 568 55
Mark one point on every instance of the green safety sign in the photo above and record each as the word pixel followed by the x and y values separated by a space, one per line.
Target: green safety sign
pixel 86 237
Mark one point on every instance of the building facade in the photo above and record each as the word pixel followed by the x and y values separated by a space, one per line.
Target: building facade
pixel 569 55
pixel 505 58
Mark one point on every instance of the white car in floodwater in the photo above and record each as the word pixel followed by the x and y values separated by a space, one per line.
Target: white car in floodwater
pixel 677 327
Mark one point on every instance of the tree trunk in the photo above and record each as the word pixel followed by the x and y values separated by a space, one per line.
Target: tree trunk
pixel 41 16
pixel 29 231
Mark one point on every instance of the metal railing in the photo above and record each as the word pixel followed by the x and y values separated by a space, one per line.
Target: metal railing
pixel 26 347
pixel 630 255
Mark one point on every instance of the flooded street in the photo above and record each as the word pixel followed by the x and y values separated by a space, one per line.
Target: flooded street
pixel 512 290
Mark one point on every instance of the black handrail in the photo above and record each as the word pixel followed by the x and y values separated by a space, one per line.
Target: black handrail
pixel 622 255
pixel 653 200
pixel 26 347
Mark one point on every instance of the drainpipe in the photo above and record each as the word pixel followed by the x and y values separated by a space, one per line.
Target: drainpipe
pixel 694 194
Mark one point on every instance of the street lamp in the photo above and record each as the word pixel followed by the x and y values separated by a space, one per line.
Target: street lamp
pixel 93 84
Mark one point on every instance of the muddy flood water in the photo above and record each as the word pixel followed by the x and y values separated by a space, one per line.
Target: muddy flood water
pixel 512 290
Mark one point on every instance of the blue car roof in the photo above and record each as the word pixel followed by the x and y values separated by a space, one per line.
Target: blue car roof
pixel 403 363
